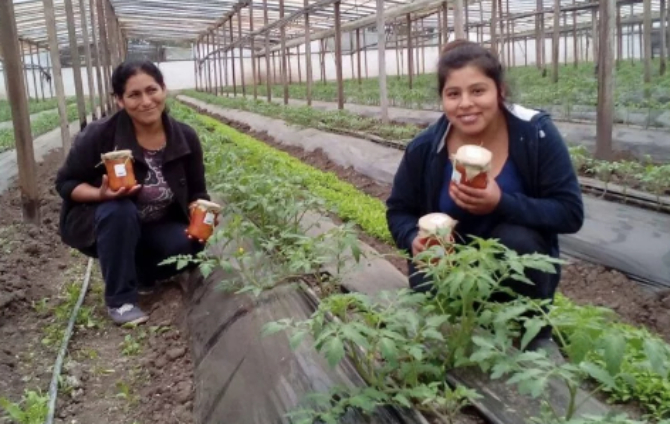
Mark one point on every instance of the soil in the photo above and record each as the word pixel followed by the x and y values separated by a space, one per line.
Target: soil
pixel 111 374
pixel 583 282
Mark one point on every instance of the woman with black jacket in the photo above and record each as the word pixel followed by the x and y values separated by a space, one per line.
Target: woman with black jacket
pixel 532 193
pixel 132 230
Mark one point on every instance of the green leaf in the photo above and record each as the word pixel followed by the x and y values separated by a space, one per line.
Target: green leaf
pixel 297 338
pixel 388 349
pixel 533 327
pixel 657 356
pixel 598 373
pixel 614 349
pixel 350 333
pixel 402 400
pixel 181 264
pixel 334 351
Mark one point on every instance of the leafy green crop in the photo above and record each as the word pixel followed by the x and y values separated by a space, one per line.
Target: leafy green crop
pixel 305 116
pixel 34 106
pixel 576 86
pixel 43 124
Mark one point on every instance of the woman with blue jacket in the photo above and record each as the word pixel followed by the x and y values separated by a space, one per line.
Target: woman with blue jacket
pixel 532 194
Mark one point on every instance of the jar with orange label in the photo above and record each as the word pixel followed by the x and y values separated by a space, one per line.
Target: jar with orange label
pixel 203 219
pixel 472 165
pixel 120 172
pixel 435 229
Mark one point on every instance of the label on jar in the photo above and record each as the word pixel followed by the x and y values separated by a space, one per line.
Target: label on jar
pixel 456 176
pixel 209 218
pixel 120 170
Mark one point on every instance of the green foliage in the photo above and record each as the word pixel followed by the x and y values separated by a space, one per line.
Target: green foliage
pixel 34 106
pixel 305 116
pixel 41 125
pixel 32 409
pixel 577 86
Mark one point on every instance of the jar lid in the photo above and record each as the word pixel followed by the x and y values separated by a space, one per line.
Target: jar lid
pixel 471 154
pixel 207 205
pixel 436 221
pixel 117 154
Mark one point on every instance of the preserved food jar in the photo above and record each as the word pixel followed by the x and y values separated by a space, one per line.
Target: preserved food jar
pixel 472 165
pixel 120 172
pixel 203 219
pixel 435 229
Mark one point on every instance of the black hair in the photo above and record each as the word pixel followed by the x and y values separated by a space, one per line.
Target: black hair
pixel 128 69
pixel 460 53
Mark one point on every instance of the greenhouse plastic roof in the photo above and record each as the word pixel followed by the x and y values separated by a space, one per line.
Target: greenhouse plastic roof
pixel 183 21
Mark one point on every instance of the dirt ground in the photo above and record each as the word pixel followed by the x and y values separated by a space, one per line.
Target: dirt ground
pixel 111 375
pixel 584 283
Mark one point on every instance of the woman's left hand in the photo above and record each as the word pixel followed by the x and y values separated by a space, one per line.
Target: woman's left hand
pixel 477 201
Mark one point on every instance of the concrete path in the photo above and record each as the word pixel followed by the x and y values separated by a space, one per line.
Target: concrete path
pixel 636 140
pixel 626 238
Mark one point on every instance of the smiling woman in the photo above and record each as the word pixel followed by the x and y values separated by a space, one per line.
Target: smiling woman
pixel 131 230
pixel 531 193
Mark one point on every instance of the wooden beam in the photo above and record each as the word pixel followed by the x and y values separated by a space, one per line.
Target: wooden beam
pixel 284 70
pixel 556 42
pixel 9 48
pixel 647 47
pixel 410 59
pixel 239 35
pixel 76 63
pixel 39 64
pixel 87 53
pixel 308 56
pixel 57 74
pixel 96 49
pixel 338 56
pixel 253 48
pixel 33 71
pixel 381 50
pixel 112 107
pixel 458 19
pixel 268 74
pixel 664 41
pixel 415 6
pixel 605 112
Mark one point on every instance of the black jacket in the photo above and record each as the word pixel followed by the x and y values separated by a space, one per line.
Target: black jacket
pixel 554 202
pixel 183 169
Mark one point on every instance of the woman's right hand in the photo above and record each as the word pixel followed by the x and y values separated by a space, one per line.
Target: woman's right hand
pixel 106 193
pixel 417 246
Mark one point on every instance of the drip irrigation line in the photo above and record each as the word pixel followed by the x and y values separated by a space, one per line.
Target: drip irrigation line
pixel 53 387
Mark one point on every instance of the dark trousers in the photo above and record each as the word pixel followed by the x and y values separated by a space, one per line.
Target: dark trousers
pixel 130 251
pixel 523 240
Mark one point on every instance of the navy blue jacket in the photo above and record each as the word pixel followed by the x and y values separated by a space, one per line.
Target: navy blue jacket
pixel 553 204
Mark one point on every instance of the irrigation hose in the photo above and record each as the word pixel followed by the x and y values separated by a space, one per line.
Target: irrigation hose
pixel 53 387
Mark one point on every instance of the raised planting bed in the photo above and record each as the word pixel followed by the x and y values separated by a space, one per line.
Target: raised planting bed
pixel 34 106
pixel 642 183
pixel 273 189
pixel 574 97
pixel 41 125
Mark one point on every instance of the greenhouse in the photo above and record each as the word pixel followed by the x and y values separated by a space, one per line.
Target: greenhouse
pixel 334 211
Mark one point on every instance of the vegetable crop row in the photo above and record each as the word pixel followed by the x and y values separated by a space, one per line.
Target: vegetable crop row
pixel 41 125
pixel 643 175
pixel 34 106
